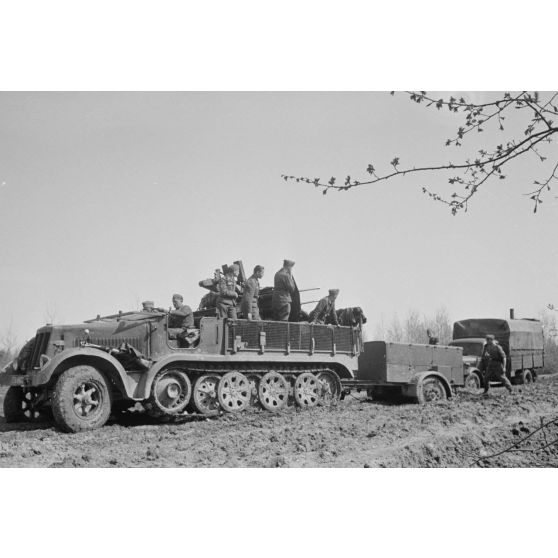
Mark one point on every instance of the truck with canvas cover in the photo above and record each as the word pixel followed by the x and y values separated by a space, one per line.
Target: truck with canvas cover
pixel 84 372
pixel 422 372
pixel 522 341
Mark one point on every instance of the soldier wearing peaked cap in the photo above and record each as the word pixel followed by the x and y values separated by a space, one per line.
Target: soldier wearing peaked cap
pixel 493 364
pixel 325 310
pixel 249 304
pixel 284 290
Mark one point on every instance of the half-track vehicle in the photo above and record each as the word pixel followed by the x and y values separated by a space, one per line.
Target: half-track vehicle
pixel 84 372
pixel 522 341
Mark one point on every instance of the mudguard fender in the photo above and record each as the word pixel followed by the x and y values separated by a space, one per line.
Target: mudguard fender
pixel 102 361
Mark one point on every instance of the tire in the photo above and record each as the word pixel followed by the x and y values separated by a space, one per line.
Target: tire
pixel 81 399
pixel 330 388
pixel 13 405
pixel 527 377
pixel 431 390
pixel 473 382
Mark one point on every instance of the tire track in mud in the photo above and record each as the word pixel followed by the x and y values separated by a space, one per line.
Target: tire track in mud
pixel 356 433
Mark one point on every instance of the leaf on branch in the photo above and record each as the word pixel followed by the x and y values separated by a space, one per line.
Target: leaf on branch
pixel 370 169
pixel 347 180
pixel 325 191
pixel 332 180
pixel 395 161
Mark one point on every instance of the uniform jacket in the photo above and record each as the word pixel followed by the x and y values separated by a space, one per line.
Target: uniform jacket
pixel 493 357
pixel 284 287
pixel 181 318
pixel 250 297
pixel 325 309
pixel 226 290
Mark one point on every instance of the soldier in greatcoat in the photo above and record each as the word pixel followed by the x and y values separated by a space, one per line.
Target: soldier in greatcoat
pixel 325 310
pixel 493 364
pixel 284 289
pixel 249 304
pixel 227 293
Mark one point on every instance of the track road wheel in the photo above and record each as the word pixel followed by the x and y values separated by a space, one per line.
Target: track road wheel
pixel 274 391
pixel 526 377
pixel 81 399
pixel 473 382
pixel 431 390
pixel 234 392
pixel 330 387
pixel 205 397
pixel 307 390
pixel 171 391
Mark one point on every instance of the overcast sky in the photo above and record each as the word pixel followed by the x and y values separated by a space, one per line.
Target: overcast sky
pixel 107 199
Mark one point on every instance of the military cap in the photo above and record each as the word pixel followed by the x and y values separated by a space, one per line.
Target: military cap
pixel 178 296
pixel 333 291
pixel 288 263
pixel 148 303
pixel 490 336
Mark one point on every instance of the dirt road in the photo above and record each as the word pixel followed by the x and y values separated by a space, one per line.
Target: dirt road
pixel 356 433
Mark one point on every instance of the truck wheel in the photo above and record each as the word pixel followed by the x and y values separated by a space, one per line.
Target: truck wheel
pixel 234 392
pixel 473 382
pixel 330 387
pixel 526 377
pixel 274 391
pixel 205 397
pixel 307 390
pixel 13 405
pixel 81 399
pixel 171 391
pixel 431 390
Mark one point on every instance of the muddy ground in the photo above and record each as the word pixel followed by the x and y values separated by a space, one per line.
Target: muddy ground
pixel 356 433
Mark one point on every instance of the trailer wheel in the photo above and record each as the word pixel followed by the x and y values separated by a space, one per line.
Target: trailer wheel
pixel 473 382
pixel 330 387
pixel 81 399
pixel 273 391
pixel 431 390
pixel 307 390
pixel 526 377
pixel 205 397
pixel 234 392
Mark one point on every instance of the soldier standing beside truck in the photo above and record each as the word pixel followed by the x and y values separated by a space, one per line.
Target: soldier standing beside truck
pixel 493 364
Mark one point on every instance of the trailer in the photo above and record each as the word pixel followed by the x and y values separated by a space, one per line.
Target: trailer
pixel 522 341
pixel 421 372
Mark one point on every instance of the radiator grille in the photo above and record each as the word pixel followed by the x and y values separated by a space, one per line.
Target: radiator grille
pixel 39 348
pixel 113 342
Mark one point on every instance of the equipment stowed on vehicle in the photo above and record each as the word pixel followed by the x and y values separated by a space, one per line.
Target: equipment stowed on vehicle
pixel 84 372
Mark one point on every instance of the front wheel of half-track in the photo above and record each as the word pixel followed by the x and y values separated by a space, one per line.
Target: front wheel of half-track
pixel 81 399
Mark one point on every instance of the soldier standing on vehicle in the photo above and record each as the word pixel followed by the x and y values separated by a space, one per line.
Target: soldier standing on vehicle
pixel 432 339
pixel 180 319
pixel 325 310
pixel 249 303
pixel 493 364
pixel 227 294
pixel 284 288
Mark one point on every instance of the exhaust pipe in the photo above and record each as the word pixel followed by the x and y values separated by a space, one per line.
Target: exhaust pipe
pixel 512 314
